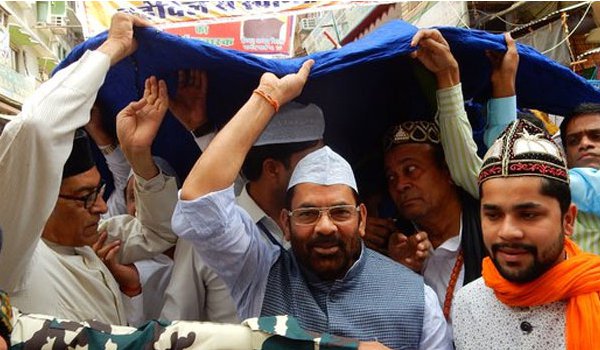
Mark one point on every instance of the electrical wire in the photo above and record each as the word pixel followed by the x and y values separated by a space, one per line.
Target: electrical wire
pixel 498 17
pixel 458 15
pixel 571 32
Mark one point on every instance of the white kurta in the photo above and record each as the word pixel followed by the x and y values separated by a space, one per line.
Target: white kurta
pixel 481 321
pixel 42 277
pixel 195 292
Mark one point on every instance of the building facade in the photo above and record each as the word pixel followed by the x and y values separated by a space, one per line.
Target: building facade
pixel 34 37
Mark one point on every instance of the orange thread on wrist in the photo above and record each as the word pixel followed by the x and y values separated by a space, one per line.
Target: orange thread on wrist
pixel 269 99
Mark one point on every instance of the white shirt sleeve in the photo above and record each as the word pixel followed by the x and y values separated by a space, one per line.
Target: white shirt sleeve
pixel 120 169
pixel 134 308
pixel 436 333
pixel 33 150
pixel 230 243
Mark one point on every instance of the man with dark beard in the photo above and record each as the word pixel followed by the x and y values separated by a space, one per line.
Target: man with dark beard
pixel 329 280
pixel 538 289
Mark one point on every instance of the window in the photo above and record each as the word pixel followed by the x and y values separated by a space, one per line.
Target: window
pixel 3 18
pixel 14 58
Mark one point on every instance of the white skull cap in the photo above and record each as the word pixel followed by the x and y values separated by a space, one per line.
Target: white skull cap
pixel 294 122
pixel 323 167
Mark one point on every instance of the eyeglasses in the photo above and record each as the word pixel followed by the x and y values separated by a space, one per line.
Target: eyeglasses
pixel 90 198
pixel 339 214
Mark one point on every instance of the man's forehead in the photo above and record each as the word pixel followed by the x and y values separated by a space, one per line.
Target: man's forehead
pixel 583 123
pixel 311 191
pixel 410 151
pixel 309 187
pixel 83 181
pixel 495 190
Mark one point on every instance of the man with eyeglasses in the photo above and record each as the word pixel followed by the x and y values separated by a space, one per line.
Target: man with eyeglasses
pixel 328 279
pixel 52 192
pixel 295 131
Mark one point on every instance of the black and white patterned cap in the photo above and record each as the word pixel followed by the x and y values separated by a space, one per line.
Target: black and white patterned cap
pixel 524 149
pixel 419 131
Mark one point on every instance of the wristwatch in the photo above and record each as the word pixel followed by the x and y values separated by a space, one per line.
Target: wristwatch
pixel 106 150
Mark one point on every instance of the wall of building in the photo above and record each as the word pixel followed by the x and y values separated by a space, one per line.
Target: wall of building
pixel 30 49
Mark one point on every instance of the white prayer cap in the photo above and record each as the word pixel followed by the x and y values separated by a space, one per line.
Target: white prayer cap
pixel 294 122
pixel 323 167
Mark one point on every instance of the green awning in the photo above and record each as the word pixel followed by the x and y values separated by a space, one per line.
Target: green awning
pixel 20 37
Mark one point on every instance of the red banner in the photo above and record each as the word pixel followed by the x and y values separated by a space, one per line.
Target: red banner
pixel 271 36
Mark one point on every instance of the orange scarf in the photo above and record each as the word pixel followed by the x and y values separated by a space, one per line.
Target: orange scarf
pixel 576 280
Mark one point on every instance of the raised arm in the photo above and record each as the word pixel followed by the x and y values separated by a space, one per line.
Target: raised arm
pixel 149 232
pixel 502 108
pixel 189 106
pixel 229 147
pixel 115 159
pixel 224 235
pixel 35 146
pixel 456 135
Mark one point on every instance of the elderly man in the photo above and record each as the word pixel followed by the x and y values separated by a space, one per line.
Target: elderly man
pixel 538 289
pixel 421 167
pixel 52 192
pixel 328 280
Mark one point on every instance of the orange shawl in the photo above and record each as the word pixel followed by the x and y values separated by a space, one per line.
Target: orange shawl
pixel 576 280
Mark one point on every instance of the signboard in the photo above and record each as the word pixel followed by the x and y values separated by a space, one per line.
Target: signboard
pixel 270 36
pixel 167 14
pixel 260 27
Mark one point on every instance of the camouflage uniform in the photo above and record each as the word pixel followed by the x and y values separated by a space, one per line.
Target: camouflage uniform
pixel 32 331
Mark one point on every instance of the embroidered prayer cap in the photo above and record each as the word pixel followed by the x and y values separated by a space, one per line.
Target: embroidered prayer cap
pixel 524 149
pixel 323 167
pixel 418 131
pixel 295 122
pixel 81 159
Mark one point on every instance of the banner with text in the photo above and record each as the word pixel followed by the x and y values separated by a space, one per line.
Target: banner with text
pixel 173 13
pixel 271 36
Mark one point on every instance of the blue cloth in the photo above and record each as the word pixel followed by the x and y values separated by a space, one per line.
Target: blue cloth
pixel 378 299
pixel 231 244
pixel 363 87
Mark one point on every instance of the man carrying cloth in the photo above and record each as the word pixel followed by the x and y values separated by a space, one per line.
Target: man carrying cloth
pixel 328 280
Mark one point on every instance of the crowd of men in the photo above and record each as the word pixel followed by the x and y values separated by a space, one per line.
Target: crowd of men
pixel 269 227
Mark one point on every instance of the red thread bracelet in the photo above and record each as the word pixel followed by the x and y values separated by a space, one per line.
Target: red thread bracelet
pixel 269 99
pixel 128 291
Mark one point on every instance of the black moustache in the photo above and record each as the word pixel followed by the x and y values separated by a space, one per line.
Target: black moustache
pixel 527 247
pixel 325 240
